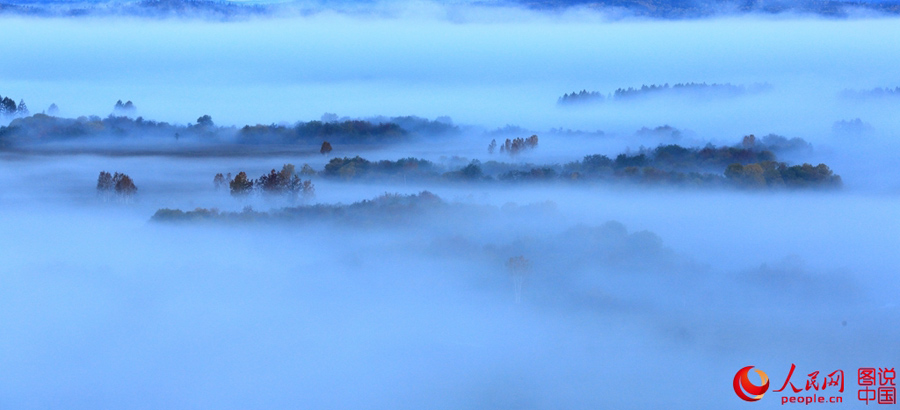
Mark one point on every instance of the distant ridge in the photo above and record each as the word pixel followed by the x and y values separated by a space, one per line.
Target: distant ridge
pixel 661 9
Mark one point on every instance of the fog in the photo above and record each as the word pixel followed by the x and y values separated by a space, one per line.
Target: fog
pixel 490 71
pixel 634 296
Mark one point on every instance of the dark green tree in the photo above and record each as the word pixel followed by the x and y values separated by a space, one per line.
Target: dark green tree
pixel 205 121
pixel 326 148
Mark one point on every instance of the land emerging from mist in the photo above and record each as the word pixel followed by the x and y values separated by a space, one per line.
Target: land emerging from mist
pixel 213 241
pixel 752 163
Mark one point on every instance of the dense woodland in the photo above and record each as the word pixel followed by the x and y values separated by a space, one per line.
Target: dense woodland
pixel 42 128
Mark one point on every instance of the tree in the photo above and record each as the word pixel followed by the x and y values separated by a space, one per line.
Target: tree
pixel 125 187
pixel 53 110
pixel 287 171
pixel 105 185
pixel 240 185
pixel 752 175
pixel 326 148
pixel 271 183
pixel 514 146
pixel 204 121
pixel 749 141
pixel 105 181
pixel 125 108
pixel 518 268
pixel 7 106
pixel 22 109
pixel 307 189
pixel 492 146
pixel 219 181
pixel 307 170
pixel 472 171
pixel 284 181
pixel 120 184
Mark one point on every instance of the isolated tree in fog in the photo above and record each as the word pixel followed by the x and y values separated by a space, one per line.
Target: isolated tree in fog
pixel 125 187
pixel 326 148
pixel 518 268
pixel 492 146
pixel 219 181
pixel 105 181
pixel 121 184
pixel 105 185
pixel 240 185
pixel 53 110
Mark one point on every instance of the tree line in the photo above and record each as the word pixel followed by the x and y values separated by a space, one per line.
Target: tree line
pixel 9 108
pixel 877 92
pixel 387 208
pixel 714 89
pixel 514 146
pixel 741 166
pixel 42 128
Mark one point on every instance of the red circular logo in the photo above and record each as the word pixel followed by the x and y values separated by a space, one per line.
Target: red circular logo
pixel 743 384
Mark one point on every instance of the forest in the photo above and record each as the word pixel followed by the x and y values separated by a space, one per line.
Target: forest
pixel 750 164
pixel 24 131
